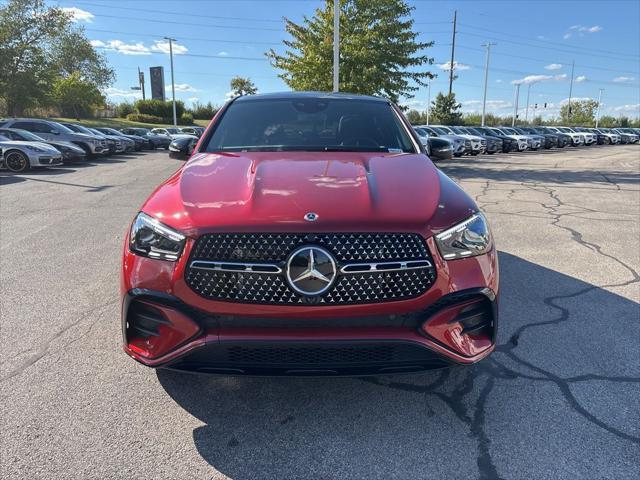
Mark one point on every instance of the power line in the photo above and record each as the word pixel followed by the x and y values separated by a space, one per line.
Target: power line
pixel 169 12
pixel 546 60
pixel 195 39
pixel 554 44
pixel 555 49
pixel 192 24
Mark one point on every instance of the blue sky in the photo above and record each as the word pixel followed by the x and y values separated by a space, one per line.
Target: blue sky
pixel 535 45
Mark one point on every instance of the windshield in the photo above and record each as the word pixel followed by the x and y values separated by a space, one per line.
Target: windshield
pixel 172 130
pixel 62 128
pixel 110 131
pixel 565 130
pixel 441 131
pixel 510 131
pixel 81 129
pixel 25 134
pixel 309 124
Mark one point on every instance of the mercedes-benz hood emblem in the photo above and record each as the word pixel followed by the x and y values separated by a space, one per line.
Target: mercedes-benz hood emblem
pixel 311 270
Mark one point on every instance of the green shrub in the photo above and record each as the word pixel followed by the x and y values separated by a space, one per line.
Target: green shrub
pixel 123 109
pixel 185 119
pixel 144 118
pixel 158 108
pixel 204 112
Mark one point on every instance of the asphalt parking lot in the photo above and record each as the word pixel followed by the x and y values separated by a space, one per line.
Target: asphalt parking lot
pixel 558 399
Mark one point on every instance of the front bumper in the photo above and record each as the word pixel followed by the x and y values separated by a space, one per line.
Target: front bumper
pixel 198 334
pixel 49 160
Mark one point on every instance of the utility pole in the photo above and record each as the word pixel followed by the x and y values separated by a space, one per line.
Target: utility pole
pixel 428 100
pixel 141 82
pixel 173 83
pixel 526 114
pixel 600 90
pixel 336 45
pixel 515 105
pixel 573 64
pixel 453 51
pixel 486 78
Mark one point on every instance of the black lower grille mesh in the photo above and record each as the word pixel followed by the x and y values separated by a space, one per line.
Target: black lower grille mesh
pixel 352 288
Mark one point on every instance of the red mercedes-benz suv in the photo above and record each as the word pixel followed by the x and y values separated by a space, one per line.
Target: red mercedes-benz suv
pixel 309 234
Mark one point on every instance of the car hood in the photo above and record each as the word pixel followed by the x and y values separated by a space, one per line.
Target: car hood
pixel 17 143
pixel 272 191
pixel 68 145
pixel 453 138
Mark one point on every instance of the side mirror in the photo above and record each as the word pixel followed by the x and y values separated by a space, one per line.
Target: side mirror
pixel 55 132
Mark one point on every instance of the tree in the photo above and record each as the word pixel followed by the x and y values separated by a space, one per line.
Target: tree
pixel 38 45
pixel 379 51
pixel 76 96
pixel 27 28
pixel 242 86
pixel 582 113
pixel 73 53
pixel 414 117
pixel 446 110
pixel 204 112
pixel 607 121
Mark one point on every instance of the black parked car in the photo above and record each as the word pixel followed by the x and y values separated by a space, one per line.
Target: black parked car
pixel 155 140
pixel 508 143
pixel 494 143
pixel 69 151
pixel 563 138
pixel 181 148
pixel 550 139
pixel 141 143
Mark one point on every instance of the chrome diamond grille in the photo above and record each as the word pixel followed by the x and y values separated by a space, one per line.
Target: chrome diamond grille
pixel 271 288
pixel 275 247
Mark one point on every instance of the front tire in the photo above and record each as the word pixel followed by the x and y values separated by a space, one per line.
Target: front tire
pixel 16 161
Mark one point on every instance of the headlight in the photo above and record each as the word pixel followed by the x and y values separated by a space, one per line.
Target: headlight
pixel 151 238
pixel 33 148
pixel 467 239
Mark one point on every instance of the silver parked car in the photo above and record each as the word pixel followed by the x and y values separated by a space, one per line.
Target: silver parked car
pixel 55 131
pixel 19 156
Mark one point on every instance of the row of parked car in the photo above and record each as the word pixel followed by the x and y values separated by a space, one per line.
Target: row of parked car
pixel 445 141
pixel 29 142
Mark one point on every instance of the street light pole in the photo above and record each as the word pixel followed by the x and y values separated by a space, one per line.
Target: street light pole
pixel 526 114
pixel 573 64
pixel 173 83
pixel 598 111
pixel 336 45
pixel 486 79
pixel 428 100
pixel 515 105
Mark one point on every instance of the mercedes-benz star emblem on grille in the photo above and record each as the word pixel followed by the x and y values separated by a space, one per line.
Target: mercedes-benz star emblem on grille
pixel 311 217
pixel 311 270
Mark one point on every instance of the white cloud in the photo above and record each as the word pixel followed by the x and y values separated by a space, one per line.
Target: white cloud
pixel 541 37
pixel 623 79
pixel 121 47
pixel 230 94
pixel 193 99
pixel 222 54
pixel 553 66
pixel 163 47
pixel 539 78
pixel 627 108
pixel 581 30
pixel 499 80
pixel 580 78
pixel 125 94
pixel 182 87
pixel 492 105
pixel 532 79
pixel 456 66
pixel 79 15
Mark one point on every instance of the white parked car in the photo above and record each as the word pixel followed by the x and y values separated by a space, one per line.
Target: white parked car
pixel 577 138
pixel 169 131
pixel 613 137
pixel 524 142
pixel 19 156
pixel 478 144
pixel 460 144
pixel 590 138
